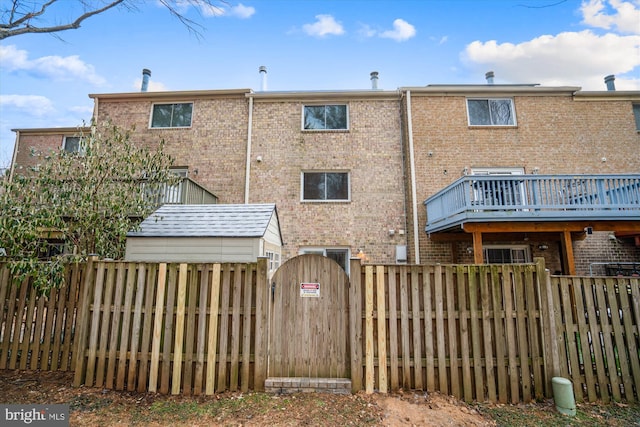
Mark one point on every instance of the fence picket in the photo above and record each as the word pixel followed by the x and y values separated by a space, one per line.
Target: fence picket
pixel 393 328
pixel 417 332
pixel 369 348
pixel 145 296
pixel 157 328
pixel 461 284
pixel 192 291
pixel 499 317
pixel 212 337
pixel 138 304
pixel 452 332
pixel 179 330
pixel 619 346
pixel 235 328
pixel 382 330
pixel 246 327
pixel 126 327
pixel 428 328
pixel 201 340
pixel 115 325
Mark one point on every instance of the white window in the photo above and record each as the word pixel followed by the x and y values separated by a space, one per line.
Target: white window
pixel 517 254
pixel 325 186
pixel 339 255
pixel 171 115
pixel 496 192
pixel 274 260
pixel 491 112
pixel 71 144
pixel 325 117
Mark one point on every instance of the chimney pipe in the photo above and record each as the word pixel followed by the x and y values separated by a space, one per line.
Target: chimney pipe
pixel 609 81
pixel 263 73
pixel 374 80
pixel 145 79
pixel 489 76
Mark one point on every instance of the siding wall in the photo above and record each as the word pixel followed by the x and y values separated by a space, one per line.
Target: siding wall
pixel 192 249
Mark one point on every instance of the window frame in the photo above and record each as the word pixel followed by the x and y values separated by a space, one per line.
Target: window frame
pixel 636 115
pixel 526 249
pixel 79 147
pixel 325 200
pixel 322 250
pixel 512 106
pixel 153 107
pixel 325 129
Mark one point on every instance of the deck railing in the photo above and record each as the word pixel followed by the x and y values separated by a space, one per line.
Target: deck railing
pixel 534 197
pixel 185 192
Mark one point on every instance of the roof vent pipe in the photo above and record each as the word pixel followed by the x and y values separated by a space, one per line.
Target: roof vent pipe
pixel 374 80
pixel 263 73
pixel 146 74
pixel 609 81
pixel 489 76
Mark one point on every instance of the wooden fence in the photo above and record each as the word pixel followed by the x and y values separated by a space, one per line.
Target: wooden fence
pixel 478 332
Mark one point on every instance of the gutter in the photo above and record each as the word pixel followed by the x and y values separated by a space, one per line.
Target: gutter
pixel 412 167
pixel 248 165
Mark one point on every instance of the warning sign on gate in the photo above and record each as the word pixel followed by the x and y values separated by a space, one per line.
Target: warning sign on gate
pixel 311 290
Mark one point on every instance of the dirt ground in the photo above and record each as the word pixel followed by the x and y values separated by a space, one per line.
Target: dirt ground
pixel 98 407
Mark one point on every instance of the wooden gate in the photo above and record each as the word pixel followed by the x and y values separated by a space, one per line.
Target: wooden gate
pixel 309 319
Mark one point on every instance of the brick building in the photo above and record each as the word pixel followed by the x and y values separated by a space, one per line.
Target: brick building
pixel 349 171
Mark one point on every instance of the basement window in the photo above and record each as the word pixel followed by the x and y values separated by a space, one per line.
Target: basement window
pixel 171 115
pixel 491 112
pixel 339 255
pixel 325 117
pixel 517 254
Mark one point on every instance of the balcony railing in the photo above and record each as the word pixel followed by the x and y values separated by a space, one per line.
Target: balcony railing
pixel 185 192
pixel 480 198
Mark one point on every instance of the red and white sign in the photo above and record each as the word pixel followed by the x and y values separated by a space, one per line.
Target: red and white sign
pixel 310 290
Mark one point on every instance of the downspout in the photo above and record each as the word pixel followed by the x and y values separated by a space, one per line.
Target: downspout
pixel 248 167
pixel 412 167
pixel 13 158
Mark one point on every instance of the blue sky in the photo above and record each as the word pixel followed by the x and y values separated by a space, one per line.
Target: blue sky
pixel 313 45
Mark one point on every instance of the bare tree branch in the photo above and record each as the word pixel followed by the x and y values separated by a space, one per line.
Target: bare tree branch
pixel 20 16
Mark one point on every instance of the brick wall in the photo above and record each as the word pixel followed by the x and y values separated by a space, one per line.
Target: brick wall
pixel 370 151
pixel 556 134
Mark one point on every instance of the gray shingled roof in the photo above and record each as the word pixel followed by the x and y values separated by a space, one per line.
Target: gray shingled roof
pixel 207 221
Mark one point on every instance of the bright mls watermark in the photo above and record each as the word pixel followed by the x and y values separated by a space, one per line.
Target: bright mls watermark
pixel 36 415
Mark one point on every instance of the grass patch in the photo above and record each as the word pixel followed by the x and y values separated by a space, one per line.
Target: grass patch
pixel 545 415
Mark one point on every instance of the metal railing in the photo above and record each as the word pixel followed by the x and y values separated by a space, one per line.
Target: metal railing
pixel 534 197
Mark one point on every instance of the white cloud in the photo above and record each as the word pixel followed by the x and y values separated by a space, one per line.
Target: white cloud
pixel 34 105
pixel 402 31
pixel 612 14
pixel 239 11
pixel 571 58
pixel 324 25
pixel 56 67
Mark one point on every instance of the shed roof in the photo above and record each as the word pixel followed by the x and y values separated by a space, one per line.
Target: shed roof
pixel 207 221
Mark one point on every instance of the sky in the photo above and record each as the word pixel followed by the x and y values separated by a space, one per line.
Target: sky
pixel 307 45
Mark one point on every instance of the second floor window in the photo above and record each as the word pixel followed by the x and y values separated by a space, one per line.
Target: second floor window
pixel 325 117
pixel 71 144
pixel 491 112
pixel 171 115
pixel 329 186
